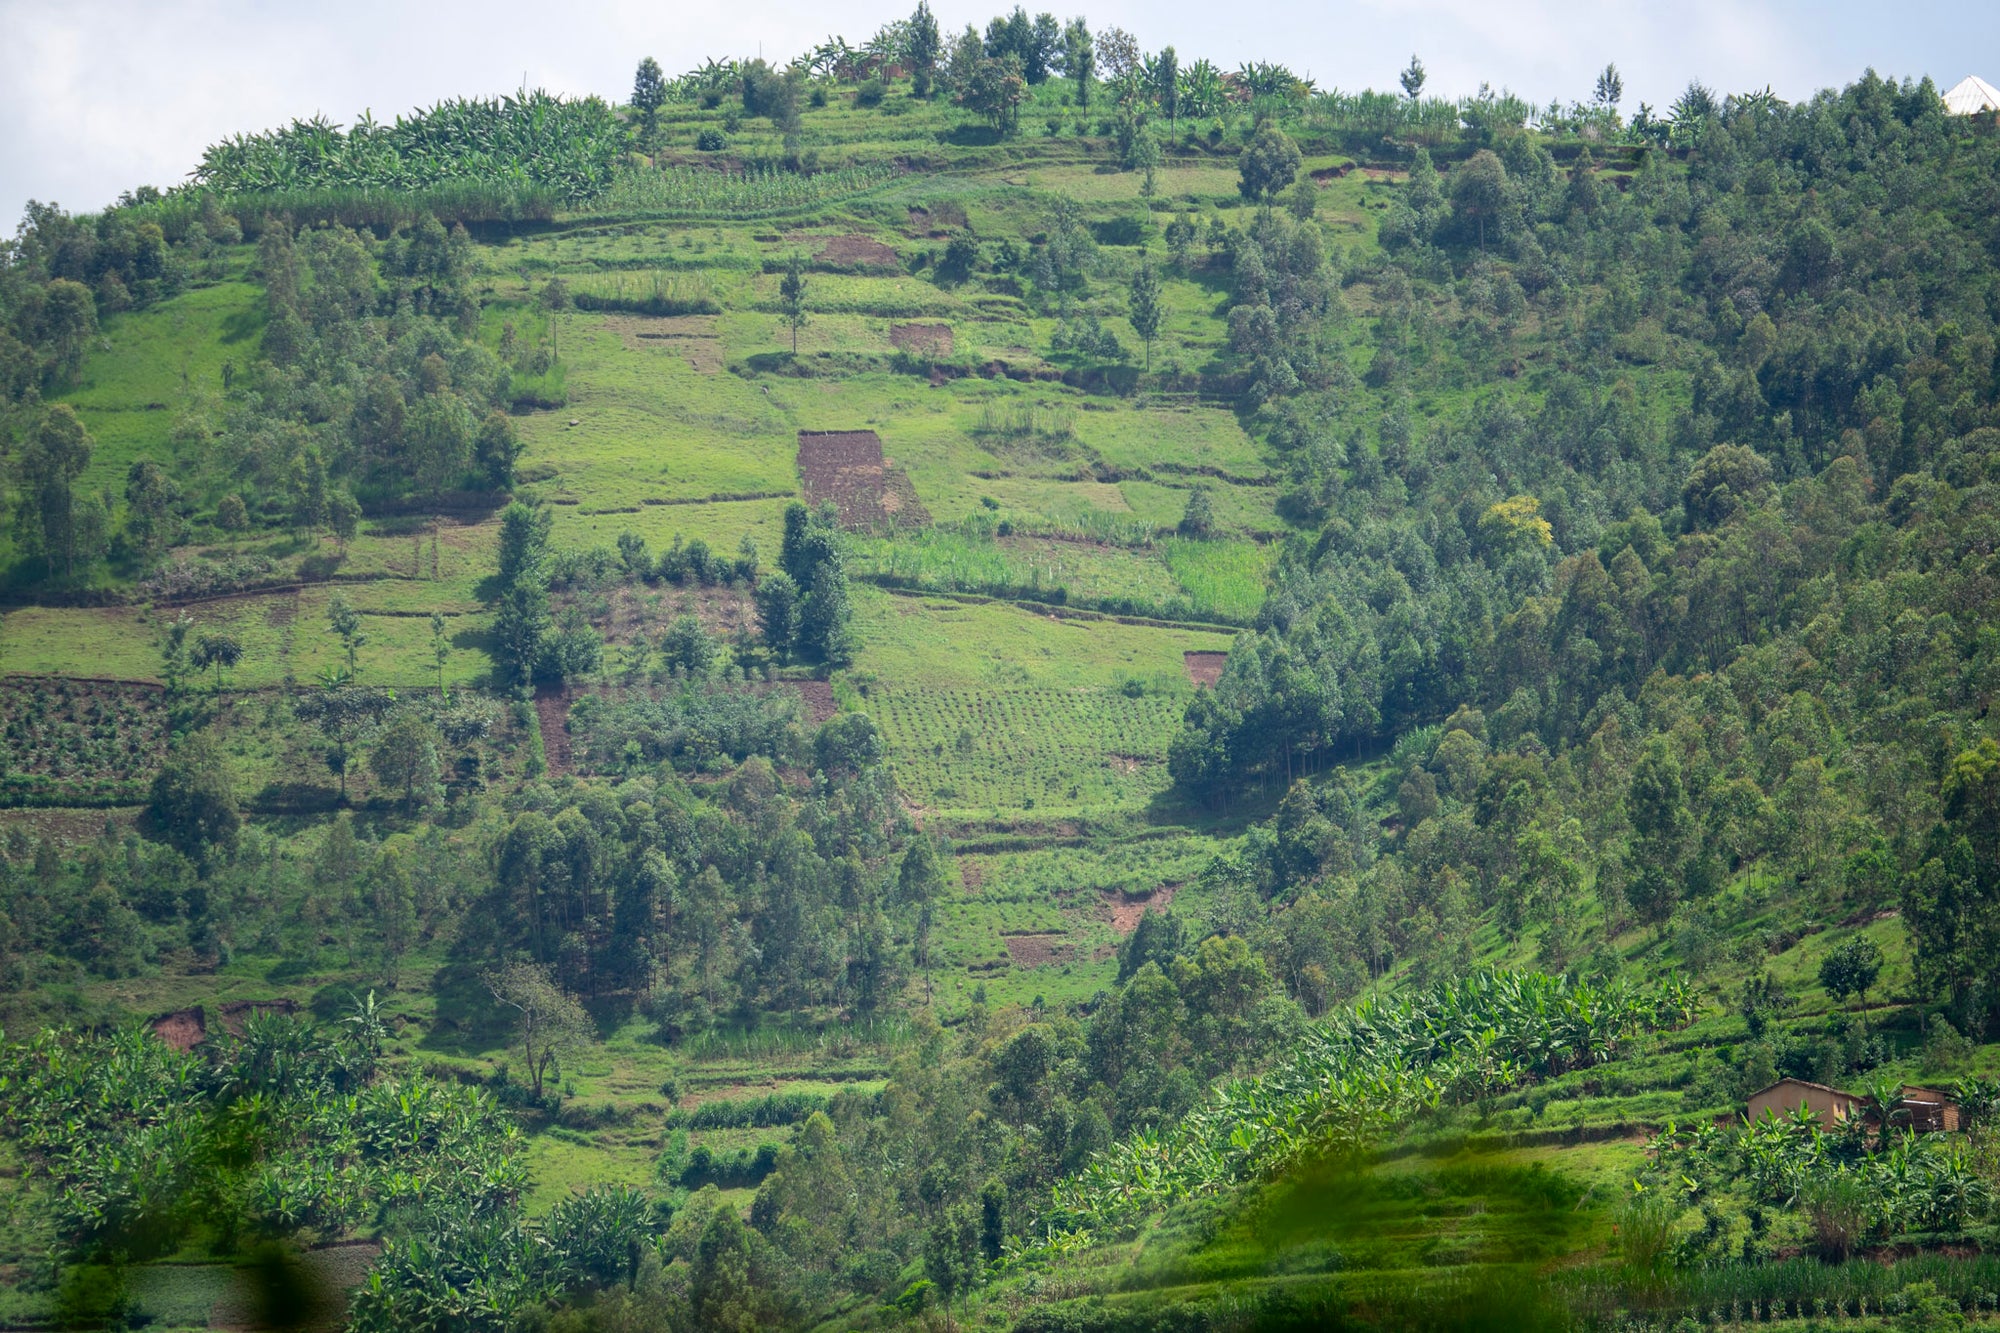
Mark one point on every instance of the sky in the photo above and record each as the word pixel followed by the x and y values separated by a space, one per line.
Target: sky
pixel 100 96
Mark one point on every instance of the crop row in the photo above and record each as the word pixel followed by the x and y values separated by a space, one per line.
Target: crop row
pixel 63 733
pixel 1026 747
pixel 705 192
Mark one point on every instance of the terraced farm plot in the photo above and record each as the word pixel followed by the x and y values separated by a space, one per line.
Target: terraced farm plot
pixel 1035 749
pixel 846 468
pixel 79 730
pixel 934 642
pixel 952 561
pixel 931 340
pixel 116 642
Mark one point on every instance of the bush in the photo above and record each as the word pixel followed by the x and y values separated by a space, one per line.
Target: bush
pixel 1945 1049
pixel 769 1112
pixel 870 93
pixel 1837 1208
pixel 711 141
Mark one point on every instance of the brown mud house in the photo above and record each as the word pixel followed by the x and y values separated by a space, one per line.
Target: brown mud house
pixel 1928 1111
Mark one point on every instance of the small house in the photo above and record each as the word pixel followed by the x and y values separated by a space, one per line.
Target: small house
pixel 1828 1105
pixel 1929 1111
pixel 1970 96
pixel 1925 1110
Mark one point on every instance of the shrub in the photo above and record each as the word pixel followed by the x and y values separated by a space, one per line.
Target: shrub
pixel 870 93
pixel 1837 1208
pixel 711 140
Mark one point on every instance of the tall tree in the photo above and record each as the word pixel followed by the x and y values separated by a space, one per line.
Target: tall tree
pixel 1166 79
pixel 345 622
pixel 1412 78
pixel 551 1026
pixel 524 541
pixel 792 295
pixel 1079 59
pixel 192 805
pixel 218 650
pixel 1479 189
pixel 152 523
pixel 406 756
pixel 922 49
pixel 47 514
pixel 995 91
pixel 440 649
pixel 1610 90
pixel 1144 307
pixel 649 93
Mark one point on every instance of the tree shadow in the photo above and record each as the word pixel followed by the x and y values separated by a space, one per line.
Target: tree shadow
pixel 971 136
pixel 467 1023
pixel 243 325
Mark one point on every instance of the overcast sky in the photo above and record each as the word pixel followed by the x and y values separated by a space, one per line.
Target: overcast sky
pixel 98 96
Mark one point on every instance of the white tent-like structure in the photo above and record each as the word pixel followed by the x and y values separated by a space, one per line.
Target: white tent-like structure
pixel 1970 96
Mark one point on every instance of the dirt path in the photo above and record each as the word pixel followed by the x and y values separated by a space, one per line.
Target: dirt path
pixel 552 710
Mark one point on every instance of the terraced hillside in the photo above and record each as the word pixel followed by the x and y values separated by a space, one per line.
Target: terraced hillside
pixel 821 701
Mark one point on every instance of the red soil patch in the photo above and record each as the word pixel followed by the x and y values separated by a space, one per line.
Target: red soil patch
pixel 858 251
pixel 552 711
pixel 847 467
pixel 1039 949
pixel 817 696
pixel 1204 668
pixel 184 1029
pixel 1125 912
pixel 928 340
pixel 972 875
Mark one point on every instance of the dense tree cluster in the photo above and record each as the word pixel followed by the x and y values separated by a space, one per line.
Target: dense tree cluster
pixel 1637 627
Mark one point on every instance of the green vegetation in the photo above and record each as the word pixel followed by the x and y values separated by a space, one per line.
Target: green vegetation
pixel 999 678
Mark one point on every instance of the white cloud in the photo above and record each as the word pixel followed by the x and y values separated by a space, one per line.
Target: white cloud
pixel 98 96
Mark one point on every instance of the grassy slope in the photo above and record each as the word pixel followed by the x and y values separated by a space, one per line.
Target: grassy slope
pixel 689 418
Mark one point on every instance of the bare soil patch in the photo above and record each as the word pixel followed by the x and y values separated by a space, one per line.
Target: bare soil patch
pixel 184 1029
pixel 927 340
pixel 1124 912
pixel 552 711
pixel 1204 667
pixel 817 696
pixel 859 252
pixel 847 467
pixel 1039 948
pixel 972 875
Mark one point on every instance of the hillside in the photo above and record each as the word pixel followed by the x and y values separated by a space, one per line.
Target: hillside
pixel 999 681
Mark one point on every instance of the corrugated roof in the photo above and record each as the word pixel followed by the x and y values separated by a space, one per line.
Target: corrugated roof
pixel 1806 1083
pixel 1970 96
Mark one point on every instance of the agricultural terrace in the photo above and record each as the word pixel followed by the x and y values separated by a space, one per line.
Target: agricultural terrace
pixel 1024 601
pixel 1009 693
